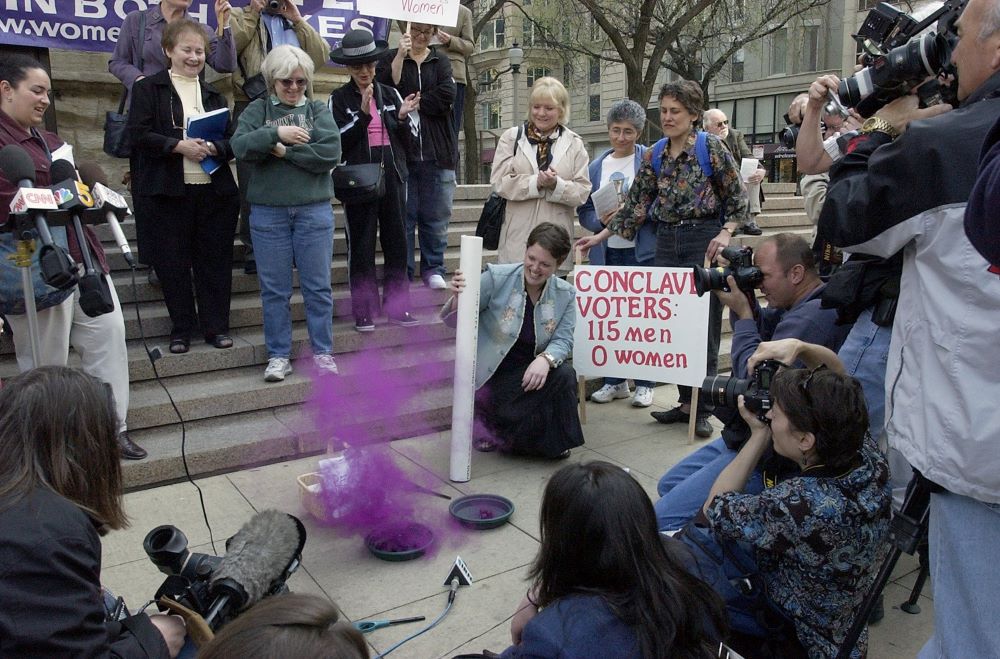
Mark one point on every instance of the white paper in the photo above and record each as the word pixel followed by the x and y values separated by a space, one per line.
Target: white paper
pixel 748 167
pixel 65 152
pixel 605 199
pixel 466 343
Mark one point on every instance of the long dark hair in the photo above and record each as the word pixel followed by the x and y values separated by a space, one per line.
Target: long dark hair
pixel 291 625
pixel 58 429
pixel 599 537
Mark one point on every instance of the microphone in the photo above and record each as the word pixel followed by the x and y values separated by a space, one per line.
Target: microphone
pixel 115 204
pixel 258 561
pixel 57 267
pixel 75 197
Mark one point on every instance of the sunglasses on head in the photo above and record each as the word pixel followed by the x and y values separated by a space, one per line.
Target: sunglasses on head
pixel 290 82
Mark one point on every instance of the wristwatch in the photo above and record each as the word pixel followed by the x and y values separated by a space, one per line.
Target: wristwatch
pixel 879 125
pixel 550 359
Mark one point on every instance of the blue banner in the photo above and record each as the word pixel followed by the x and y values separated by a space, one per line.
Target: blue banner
pixel 94 24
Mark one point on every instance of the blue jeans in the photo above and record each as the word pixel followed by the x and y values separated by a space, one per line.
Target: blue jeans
pixel 964 535
pixel 429 194
pixel 302 236
pixel 625 256
pixel 865 352
pixel 684 488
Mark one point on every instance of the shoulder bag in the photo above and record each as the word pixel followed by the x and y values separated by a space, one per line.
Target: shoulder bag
pixel 491 218
pixel 116 142
pixel 363 181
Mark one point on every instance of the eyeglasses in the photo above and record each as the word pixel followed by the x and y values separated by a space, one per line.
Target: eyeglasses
pixel 287 83
pixel 425 33
pixel 724 122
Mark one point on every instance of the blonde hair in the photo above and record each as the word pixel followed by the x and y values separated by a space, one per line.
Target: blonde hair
pixel 282 61
pixel 548 88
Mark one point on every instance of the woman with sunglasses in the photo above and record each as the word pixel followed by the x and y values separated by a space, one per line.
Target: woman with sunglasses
pixel 291 144
pixel 816 536
pixel 375 127
pixel 189 213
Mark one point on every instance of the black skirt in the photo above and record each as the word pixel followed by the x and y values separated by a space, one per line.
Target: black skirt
pixel 542 423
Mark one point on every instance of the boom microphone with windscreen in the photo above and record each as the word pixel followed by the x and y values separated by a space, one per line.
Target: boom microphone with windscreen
pixel 258 561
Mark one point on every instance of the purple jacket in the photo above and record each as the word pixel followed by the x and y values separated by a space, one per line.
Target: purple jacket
pixel 221 51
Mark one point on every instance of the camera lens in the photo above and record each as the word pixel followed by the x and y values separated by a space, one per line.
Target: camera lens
pixel 710 279
pixel 788 136
pixel 724 390
pixel 274 5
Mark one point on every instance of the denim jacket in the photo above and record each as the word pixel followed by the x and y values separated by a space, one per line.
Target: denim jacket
pixel 501 314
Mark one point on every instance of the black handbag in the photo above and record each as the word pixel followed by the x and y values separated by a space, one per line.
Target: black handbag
pixel 116 143
pixel 491 217
pixel 363 181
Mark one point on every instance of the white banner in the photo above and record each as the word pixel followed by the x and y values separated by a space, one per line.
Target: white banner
pixel 432 12
pixel 645 323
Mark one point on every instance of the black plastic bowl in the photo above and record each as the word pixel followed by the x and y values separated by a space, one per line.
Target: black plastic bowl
pixel 399 541
pixel 482 511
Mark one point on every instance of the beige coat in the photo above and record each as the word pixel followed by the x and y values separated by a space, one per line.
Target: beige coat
pixel 515 176
pixel 461 44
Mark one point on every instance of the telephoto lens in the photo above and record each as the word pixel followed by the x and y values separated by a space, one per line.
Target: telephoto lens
pixel 274 5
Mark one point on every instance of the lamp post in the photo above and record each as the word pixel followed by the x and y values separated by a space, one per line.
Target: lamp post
pixel 516 57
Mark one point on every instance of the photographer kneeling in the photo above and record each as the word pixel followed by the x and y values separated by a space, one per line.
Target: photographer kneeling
pixel 815 539
pixel 785 272
pixel 60 489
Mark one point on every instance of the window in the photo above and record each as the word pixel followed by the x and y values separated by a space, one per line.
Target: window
pixel 810 48
pixel 736 67
pixel 567 75
pixel 491 115
pixel 528 33
pixel 779 51
pixel 492 35
pixel 489 81
pixel 536 72
pixel 596 34
pixel 594 110
pixel 595 70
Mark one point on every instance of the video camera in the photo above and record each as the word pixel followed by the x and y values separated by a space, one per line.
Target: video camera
pixel 898 58
pixel 258 562
pixel 741 267
pixel 725 390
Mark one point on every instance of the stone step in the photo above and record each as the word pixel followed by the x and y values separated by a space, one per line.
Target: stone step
pixel 238 441
pixel 243 389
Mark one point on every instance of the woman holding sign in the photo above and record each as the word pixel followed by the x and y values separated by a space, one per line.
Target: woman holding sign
pixel 690 186
pixel 526 392
pixel 189 213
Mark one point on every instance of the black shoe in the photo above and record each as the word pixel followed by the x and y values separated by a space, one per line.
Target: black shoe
pixel 675 415
pixel 702 428
pixel 129 449
pixel 404 319
pixel 751 229
pixel 250 267
pixel 364 324
pixel 151 278
pixel 179 345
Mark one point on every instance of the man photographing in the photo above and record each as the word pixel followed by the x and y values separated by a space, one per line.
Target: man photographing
pixel 904 186
pixel 793 289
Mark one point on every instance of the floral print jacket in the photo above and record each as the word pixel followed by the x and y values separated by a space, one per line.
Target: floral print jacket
pixel 683 191
pixel 501 313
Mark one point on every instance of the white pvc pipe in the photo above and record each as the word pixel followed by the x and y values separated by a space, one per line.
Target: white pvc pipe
pixel 466 340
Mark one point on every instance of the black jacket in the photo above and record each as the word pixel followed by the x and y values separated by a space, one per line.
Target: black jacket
pixel 156 109
pixel 50 589
pixel 345 104
pixel 437 93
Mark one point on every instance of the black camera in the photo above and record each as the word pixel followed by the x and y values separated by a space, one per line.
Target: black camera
pixel 741 267
pixel 188 574
pixel 788 135
pixel 897 60
pixel 724 390
pixel 274 5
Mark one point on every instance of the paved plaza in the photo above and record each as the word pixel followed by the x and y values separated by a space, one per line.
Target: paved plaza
pixel 338 566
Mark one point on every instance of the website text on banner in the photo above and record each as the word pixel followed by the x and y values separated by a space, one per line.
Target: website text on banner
pixel 94 24
pixel 645 323
pixel 431 12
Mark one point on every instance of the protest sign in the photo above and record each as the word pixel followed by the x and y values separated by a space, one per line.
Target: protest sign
pixel 94 24
pixel 432 12
pixel 645 323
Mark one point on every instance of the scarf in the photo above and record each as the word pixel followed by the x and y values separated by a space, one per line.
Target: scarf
pixel 543 152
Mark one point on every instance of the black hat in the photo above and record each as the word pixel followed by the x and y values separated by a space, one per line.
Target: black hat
pixel 358 47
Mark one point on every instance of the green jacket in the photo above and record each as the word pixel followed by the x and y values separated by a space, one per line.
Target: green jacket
pixel 250 38
pixel 303 175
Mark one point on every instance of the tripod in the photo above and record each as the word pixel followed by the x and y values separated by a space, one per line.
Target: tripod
pixel 907 529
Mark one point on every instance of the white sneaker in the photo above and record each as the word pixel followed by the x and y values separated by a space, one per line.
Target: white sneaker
pixel 609 392
pixel 643 397
pixel 326 364
pixel 436 282
pixel 277 369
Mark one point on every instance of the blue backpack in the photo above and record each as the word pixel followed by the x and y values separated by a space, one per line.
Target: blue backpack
pixel 701 151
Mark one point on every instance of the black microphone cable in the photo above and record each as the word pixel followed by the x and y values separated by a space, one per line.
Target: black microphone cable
pixel 451 600
pixel 154 354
